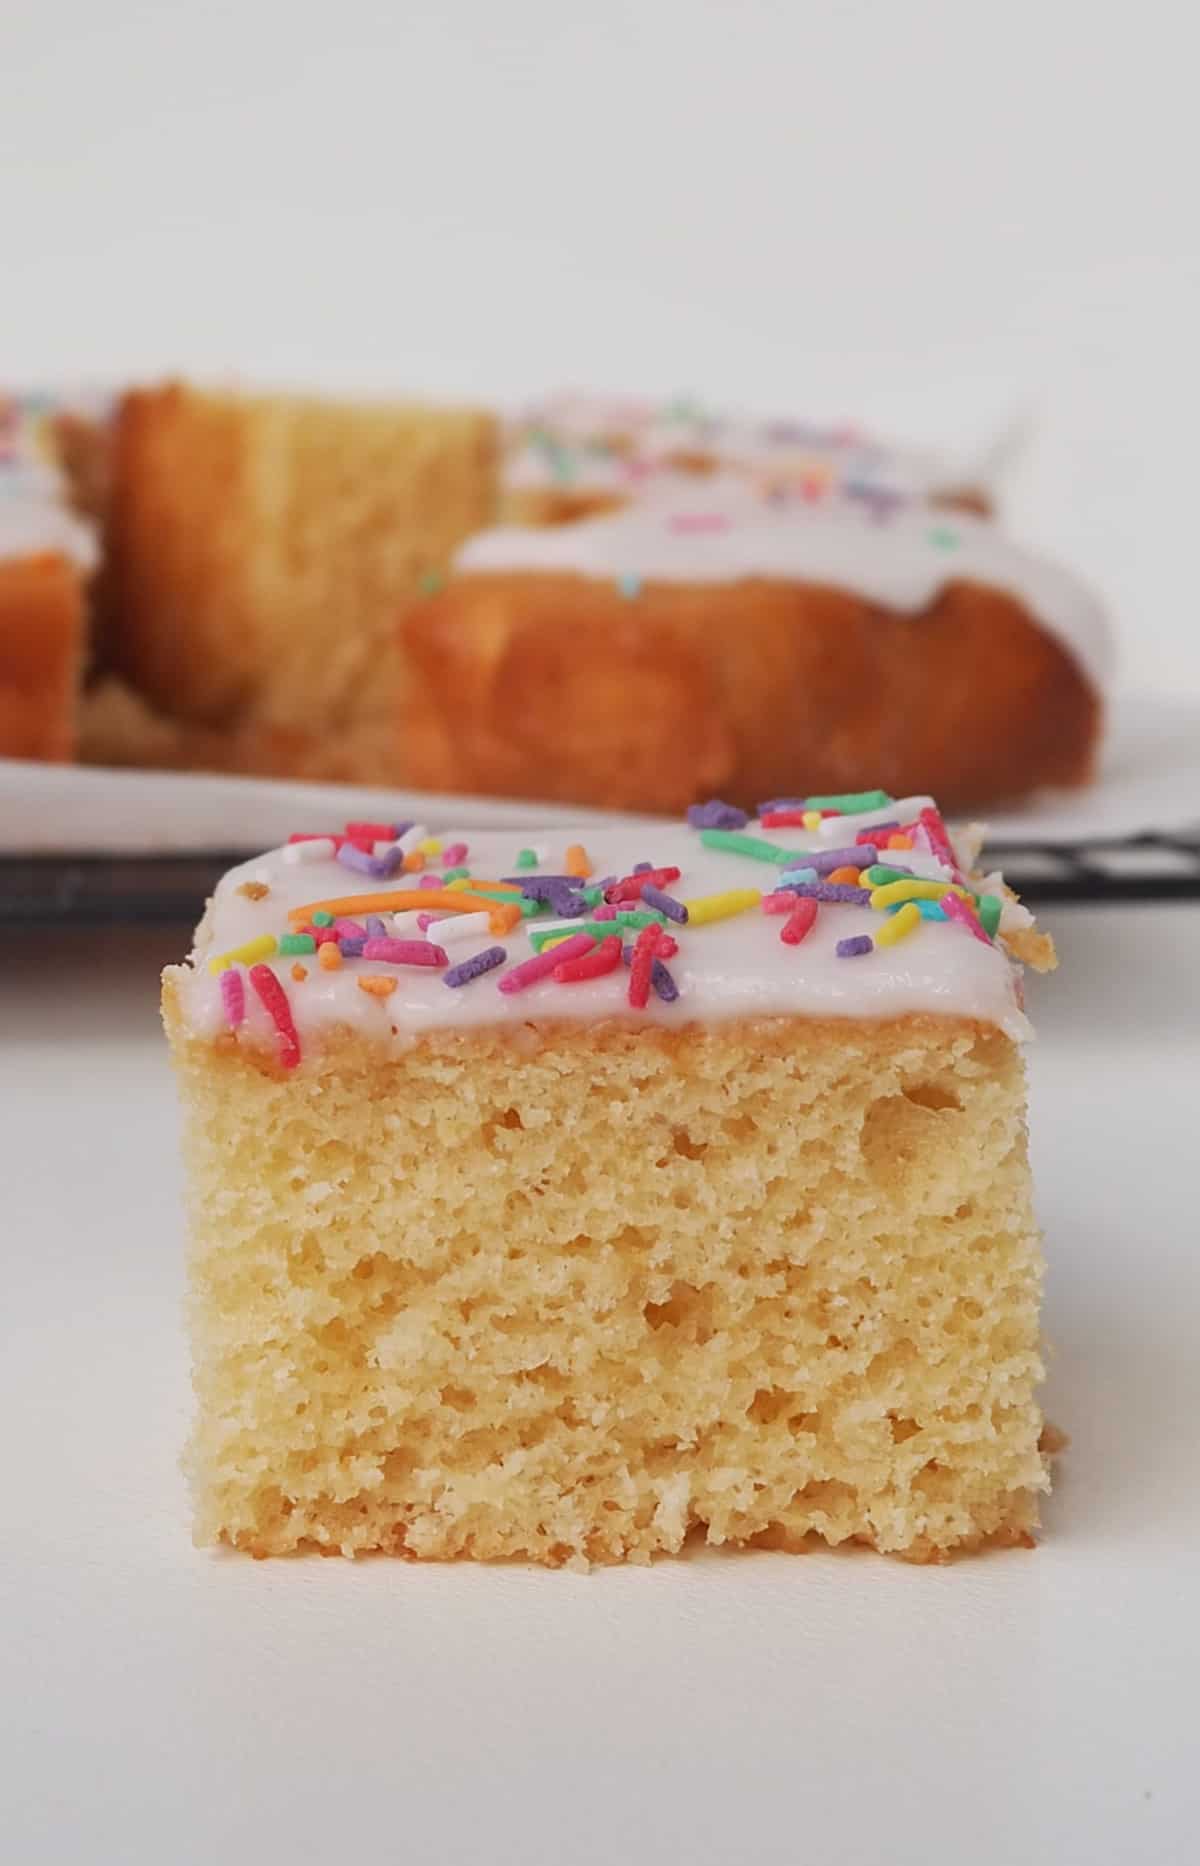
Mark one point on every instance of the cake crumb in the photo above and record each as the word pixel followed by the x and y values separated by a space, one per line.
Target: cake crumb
pixel 254 890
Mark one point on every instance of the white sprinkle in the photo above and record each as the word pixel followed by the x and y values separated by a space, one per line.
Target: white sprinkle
pixel 904 810
pixel 380 849
pixel 411 837
pixel 319 849
pixel 458 927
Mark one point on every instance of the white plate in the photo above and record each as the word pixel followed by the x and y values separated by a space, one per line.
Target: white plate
pixel 162 1707
pixel 1150 779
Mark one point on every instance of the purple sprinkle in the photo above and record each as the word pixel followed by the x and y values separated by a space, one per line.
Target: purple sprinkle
pixel 666 903
pixel 609 881
pixel 826 891
pixel 349 929
pixel 530 884
pixel 403 951
pixel 826 860
pixel 641 868
pixel 351 948
pixel 716 815
pixel 475 966
pixel 664 985
pixel 852 948
pixel 376 928
pixel 880 830
pixel 559 892
pixel 379 867
pixel 782 803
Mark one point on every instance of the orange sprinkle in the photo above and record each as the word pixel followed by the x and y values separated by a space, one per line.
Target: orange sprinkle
pixel 577 862
pixel 848 877
pixel 414 862
pixel 299 972
pixel 899 841
pixel 501 917
pixel 377 985
pixel 328 956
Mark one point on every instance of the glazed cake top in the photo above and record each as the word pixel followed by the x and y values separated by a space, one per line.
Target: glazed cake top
pixel 622 445
pixel 824 907
pixel 34 510
pixel 897 553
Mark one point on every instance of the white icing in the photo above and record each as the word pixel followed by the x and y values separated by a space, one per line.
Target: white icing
pixel 728 968
pixel 719 531
pixel 589 443
pixel 35 518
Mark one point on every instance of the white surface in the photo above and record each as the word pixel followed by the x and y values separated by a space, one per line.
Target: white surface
pixel 174 1708
pixel 1150 779
pixel 930 215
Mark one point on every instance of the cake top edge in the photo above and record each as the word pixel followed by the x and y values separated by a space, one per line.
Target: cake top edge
pixel 844 906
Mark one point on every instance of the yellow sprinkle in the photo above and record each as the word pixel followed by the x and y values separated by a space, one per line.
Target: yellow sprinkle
pixel 898 926
pixel 464 882
pixel 893 891
pixel 328 956
pixel 260 948
pixel 811 819
pixel 577 862
pixel 377 985
pixel 721 906
pixel 430 846
pixel 556 941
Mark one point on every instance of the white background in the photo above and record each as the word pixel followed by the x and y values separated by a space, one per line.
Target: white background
pixel 932 214
pixel 935 214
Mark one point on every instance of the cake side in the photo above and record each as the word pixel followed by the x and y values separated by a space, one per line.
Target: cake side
pixel 574 1292
pixel 677 690
pixel 260 546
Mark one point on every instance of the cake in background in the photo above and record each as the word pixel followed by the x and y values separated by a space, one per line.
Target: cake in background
pixel 302 587
pixel 723 635
pixel 48 551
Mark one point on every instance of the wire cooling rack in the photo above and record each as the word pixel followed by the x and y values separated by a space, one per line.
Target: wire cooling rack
pixel 94 890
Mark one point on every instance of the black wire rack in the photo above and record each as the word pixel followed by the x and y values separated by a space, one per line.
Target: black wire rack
pixel 98 890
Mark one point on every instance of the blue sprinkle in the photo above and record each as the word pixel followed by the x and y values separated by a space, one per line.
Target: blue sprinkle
pixel 630 584
pixel 798 874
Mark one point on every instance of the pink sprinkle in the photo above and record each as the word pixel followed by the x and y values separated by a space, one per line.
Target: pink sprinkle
pixel 425 921
pixel 778 903
pixel 349 929
pixel 606 911
pixel 433 881
pixel 233 996
pixel 455 855
pixel 698 521
pixel 955 908
pixel 530 970
pixel 404 952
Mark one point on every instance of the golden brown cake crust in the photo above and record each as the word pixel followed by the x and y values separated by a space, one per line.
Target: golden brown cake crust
pixel 745 691
pixel 41 656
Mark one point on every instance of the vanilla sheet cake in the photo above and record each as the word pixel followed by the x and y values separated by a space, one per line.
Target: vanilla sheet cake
pixel 562 1202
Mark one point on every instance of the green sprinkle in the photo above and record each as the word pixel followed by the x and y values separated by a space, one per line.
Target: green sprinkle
pixel 593 896
pixel 851 802
pixel 943 539
pixel 737 844
pixel 989 908
pixel 321 918
pixel 529 909
pixel 455 874
pixel 296 942
pixel 640 917
pixel 526 858
pixel 599 929
pixel 430 582
pixel 880 875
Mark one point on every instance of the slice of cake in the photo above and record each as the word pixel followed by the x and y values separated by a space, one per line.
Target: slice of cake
pixel 721 640
pixel 259 548
pixel 47 553
pixel 558 1201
